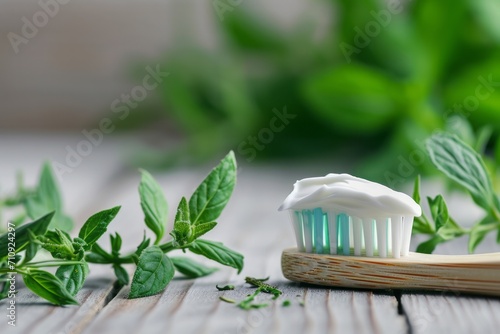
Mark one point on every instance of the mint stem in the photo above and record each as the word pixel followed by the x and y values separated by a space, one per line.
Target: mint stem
pixel 167 247
pixel 52 263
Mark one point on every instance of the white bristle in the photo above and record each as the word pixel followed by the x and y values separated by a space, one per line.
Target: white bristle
pixel 297 226
pixel 332 231
pixel 383 237
pixel 389 238
pixel 357 235
pixel 407 227
pixel 308 232
pixel 396 226
pixel 351 231
pixel 368 234
pixel 381 224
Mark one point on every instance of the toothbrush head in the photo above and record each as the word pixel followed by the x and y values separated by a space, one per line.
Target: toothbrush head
pixel 346 215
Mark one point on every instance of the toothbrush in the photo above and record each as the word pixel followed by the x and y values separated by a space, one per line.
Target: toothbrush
pixel 352 232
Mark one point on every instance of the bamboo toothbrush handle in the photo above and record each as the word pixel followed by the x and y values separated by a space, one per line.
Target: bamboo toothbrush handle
pixel 477 273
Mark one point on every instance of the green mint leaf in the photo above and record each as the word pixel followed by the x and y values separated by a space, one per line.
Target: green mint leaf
pixel 49 287
pixel 59 244
pixel 154 205
pixel 203 228
pixel 47 198
pixel 38 227
pixel 286 303
pixel 420 224
pixel 182 214
pixel 97 225
pixel 218 252
pixel 65 239
pixel 32 248
pixel 154 271
pixel 73 276
pixel 477 234
pixel 191 268
pixel 212 195
pixel 121 274
pixel 116 244
pixel 428 246
pixel 439 211
pixel 416 190
pixel 182 226
pixel 462 164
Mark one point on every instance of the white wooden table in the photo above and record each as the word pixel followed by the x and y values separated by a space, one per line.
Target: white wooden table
pixel 252 225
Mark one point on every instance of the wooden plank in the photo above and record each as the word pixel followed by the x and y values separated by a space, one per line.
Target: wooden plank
pixel 34 315
pixel 440 313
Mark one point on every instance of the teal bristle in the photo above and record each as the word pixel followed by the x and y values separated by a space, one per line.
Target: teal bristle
pixel 331 232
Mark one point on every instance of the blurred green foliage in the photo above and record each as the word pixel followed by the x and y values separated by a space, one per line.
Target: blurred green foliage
pixel 377 81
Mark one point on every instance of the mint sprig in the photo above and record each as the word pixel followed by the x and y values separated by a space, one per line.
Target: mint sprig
pixel 155 267
pixel 207 202
pixel 464 166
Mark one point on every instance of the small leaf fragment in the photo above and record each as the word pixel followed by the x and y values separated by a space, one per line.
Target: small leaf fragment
pixel 227 300
pixel 225 287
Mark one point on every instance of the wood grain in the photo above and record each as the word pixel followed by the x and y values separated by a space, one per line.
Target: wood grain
pixel 453 312
pixel 479 273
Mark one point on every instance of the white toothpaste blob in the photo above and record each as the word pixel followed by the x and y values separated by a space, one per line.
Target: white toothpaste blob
pixel 350 195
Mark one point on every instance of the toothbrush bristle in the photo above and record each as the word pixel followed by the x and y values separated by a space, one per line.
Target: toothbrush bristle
pixel 334 232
